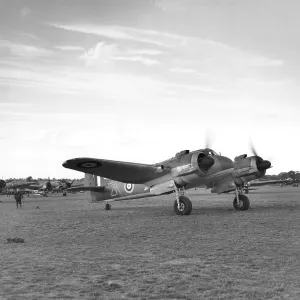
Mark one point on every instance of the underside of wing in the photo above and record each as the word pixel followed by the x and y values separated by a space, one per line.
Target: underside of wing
pixel 116 170
pixel 222 185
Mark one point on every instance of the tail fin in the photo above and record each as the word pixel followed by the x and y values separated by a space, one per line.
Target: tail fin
pixel 93 181
pixel 89 181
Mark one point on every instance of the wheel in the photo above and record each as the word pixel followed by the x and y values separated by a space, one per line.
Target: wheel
pixel 107 206
pixel 185 206
pixel 64 193
pixel 243 204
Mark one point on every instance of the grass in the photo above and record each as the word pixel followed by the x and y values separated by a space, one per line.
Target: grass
pixel 142 250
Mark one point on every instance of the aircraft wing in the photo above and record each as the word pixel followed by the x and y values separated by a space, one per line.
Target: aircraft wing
pixel 20 185
pixel 222 185
pixel 265 182
pixel 116 170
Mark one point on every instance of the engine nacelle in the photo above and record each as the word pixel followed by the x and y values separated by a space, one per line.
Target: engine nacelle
pixel 194 165
pixel 2 184
pixel 246 169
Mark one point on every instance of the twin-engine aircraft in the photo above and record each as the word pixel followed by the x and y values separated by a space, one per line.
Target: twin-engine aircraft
pixel 12 185
pixel 184 171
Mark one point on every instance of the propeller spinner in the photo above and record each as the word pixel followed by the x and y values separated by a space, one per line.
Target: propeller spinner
pixel 262 165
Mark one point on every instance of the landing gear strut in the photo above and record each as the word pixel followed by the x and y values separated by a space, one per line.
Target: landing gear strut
pixel 182 204
pixel 240 201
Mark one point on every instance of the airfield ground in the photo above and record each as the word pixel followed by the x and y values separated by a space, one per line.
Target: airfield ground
pixel 141 250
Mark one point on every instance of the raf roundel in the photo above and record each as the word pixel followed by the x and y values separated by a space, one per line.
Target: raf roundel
pixel 128 187
pixel 88 164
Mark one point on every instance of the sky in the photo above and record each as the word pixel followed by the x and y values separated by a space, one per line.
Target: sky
pixel 140 80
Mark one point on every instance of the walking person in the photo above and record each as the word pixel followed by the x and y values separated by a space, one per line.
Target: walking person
pixel 18 197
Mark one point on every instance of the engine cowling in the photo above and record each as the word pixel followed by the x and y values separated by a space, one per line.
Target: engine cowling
pixel 2 184
pixel 194 165
pixel 249 168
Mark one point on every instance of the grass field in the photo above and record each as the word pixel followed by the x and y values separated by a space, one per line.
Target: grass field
pixel 141 250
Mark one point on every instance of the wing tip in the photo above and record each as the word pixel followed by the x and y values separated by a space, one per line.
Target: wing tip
pixel 82 163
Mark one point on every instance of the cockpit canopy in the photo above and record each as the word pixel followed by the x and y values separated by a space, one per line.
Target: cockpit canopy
pixel 209 152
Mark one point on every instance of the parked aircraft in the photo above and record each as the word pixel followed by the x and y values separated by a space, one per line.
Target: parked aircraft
pixel 58 186
pixel 184 171
pixel 12 185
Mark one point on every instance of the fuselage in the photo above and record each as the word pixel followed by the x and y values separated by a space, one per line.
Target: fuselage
pixel 187 170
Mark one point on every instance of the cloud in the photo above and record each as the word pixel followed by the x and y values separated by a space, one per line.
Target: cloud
pixel 187 47
pixel 187 71
pixel 81 82
pixel 141 59
pixel 150 52
pixel 70 48
pixel 153 37
pixel 25 11
pixel 23 50
pixel 102 53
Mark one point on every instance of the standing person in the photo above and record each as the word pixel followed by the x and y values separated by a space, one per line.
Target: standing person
pixel 18 197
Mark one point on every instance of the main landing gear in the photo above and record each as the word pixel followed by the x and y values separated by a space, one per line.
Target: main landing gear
pixel 182 204
pixel 240 201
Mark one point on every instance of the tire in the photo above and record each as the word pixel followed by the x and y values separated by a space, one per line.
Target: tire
pixel 244 203
pixel 186 206
pixel 64 194
pixel 107 206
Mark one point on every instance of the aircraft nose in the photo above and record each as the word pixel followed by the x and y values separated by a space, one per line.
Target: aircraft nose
pixel 263 165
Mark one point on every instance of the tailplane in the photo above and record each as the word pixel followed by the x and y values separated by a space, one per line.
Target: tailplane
pixel 93 185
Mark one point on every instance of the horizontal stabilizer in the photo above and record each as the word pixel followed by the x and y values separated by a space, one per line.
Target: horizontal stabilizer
pixel 86 189
pixel 130 197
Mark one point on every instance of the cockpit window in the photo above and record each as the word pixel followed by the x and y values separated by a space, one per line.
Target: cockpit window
pixel 210 152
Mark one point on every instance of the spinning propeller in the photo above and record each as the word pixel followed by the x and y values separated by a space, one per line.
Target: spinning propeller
pixel 68 184
pixel 262 165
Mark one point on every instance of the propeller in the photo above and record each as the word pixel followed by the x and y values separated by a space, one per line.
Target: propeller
pixel 262 165
pixel 69 184
pixel 209 138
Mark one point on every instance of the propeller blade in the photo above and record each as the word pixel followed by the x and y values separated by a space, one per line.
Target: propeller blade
pixel 253 149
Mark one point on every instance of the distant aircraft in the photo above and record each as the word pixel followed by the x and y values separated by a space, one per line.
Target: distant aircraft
pixel 58 186
pixel 12 185
pixel 184 171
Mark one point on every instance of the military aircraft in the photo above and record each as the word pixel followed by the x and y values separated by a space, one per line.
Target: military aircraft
pixel 175 175
pixel 58 186
pixel 12 185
